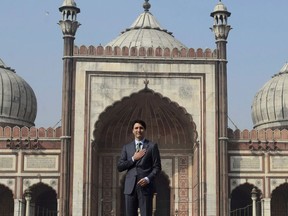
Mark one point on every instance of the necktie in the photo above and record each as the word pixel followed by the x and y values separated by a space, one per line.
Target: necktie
pixel 138 146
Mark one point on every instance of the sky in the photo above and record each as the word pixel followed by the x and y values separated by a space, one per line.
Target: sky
pixel 31 43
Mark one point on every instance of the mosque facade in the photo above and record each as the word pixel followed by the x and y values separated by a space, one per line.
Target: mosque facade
pixel 180 92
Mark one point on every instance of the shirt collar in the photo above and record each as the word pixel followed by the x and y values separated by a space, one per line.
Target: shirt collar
pixel 140 141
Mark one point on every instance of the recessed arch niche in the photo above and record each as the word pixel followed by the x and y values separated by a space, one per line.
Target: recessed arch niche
pixel 168 124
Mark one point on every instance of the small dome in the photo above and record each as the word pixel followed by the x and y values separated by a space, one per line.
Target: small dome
pixel 220 7
pixel 270 104
pixel 18 104
pixel 69 3
pixel 146 32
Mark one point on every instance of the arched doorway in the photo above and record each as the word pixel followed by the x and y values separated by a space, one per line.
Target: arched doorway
pixel 168 124
pixel 241 202
pixel 44 200
pixel 279 201
pixel 6 201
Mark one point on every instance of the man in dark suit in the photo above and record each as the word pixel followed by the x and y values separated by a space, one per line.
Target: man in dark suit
pixel 141 160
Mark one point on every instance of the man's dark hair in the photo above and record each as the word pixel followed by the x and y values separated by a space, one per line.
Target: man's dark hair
pixel 139 121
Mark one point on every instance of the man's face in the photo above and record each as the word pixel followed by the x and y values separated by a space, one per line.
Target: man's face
pixel 138 131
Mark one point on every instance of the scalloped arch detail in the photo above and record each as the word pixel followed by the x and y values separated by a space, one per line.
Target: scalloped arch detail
pixel 279 187
pixel 44 187
pixel 6 187
pixel 245 185
pixel 168 124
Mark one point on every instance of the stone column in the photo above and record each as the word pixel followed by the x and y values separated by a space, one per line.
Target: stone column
pixel 28 198
pixel 254 198
pixel 154 203
pixel 266 207
pixel 229 205
pixel 18 207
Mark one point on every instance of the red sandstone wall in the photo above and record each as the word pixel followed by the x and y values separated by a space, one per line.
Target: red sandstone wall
pixel 30 138
pixel 244 140
pixel 267 134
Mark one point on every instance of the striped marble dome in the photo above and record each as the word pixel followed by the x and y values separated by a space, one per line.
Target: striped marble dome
pixel 270 104
pixel 18 104
pixel 146 32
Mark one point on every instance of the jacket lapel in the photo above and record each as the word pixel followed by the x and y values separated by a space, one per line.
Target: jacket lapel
pixel 132 148
pixel 146 144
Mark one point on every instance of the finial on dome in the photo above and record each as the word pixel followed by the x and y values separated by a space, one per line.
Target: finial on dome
pixel 146 5
pixel 146 82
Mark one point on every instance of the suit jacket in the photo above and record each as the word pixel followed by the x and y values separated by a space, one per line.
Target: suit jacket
pixel 148 166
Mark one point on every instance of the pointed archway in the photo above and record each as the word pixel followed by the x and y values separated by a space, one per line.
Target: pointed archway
pixel 44 199
pixel 279 201
pixel 168 124
pixel 6 201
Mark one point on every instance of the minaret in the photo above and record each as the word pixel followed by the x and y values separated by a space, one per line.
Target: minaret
pixel 221 30
pixel 69 26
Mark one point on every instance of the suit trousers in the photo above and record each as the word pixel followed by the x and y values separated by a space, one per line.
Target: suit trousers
pixel 138 199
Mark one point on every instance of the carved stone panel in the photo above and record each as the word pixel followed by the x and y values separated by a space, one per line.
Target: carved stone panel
pixel 246 163
pixel 8 163
pixel 41 162
pixel 279 163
